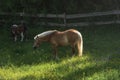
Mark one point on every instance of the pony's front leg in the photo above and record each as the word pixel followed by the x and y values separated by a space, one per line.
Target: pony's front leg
pixel 22 36
pixel 55 52
pixel 15 38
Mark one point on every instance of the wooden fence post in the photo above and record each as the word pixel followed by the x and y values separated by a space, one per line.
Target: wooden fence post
pixel 45 19
pixel 117 8
pixel 65 22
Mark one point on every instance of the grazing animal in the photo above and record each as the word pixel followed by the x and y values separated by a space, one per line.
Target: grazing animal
pixel 18 30
pixel 57 38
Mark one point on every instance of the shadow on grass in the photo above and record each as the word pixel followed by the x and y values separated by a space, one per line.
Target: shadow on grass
pixel 22 53
pixel 83 73
pixel 73 70
pixel 29 77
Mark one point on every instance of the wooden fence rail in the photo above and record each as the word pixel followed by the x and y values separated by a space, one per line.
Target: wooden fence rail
pixel 65 17
pixel 83 23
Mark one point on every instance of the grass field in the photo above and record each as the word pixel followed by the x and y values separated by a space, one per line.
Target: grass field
pixel 100 61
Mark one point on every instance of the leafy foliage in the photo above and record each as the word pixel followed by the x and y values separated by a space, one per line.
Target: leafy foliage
pixel 59 6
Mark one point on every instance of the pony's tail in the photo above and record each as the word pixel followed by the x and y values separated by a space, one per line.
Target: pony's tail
pixel 80 46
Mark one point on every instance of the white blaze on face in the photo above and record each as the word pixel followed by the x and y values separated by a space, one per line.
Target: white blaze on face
pixel 15 25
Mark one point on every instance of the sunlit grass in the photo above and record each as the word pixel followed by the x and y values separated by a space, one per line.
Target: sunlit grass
pixel 71 68
pixel 100 60
pixel 53 70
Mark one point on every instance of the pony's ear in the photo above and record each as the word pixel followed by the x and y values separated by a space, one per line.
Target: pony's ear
pixel 36 37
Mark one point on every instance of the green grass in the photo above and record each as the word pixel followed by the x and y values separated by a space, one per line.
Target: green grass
pixel 100 61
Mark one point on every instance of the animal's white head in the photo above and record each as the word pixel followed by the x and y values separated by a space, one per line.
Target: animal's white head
pixel 14 25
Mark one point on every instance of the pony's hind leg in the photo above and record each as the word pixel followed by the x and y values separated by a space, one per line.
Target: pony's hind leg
pixel 73 50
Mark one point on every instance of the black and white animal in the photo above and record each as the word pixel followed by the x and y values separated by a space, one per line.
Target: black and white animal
pixel 18 30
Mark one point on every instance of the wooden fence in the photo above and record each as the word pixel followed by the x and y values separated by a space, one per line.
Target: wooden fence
pixel 65 17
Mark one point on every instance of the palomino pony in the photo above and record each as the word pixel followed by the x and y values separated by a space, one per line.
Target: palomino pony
pixel 70 37
pixel 18 30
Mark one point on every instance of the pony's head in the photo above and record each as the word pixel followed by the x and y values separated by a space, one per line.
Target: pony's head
pixel 43 37
pixel 36 42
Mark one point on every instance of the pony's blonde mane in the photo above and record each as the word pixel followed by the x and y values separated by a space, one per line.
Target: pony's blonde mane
pixel 43 34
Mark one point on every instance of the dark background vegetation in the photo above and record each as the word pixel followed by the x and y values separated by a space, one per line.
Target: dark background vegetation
pixel 57 6
pixel 54 7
